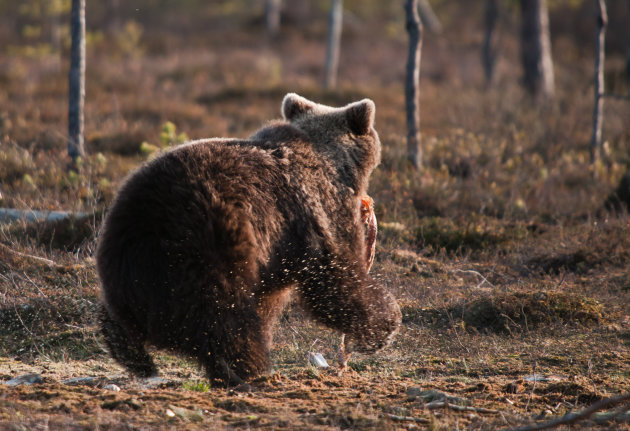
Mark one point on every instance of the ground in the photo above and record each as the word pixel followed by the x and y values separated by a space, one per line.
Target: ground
pixel 499 335
pixel 508 258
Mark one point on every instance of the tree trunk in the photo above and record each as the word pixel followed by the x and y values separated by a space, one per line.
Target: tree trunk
pixel 272 16
pixel 536 49
pixel 412 83
pixel 598 110
pixel 8 215
pixel 628 60
pixel 76 81
pixel 428 17
pixel 489 50
pixel 334 40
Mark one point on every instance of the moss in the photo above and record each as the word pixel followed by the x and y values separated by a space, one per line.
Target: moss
pixel 521 311
pixel 477 233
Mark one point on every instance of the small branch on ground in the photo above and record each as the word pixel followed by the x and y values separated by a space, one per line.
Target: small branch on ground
pixel 408 419
pixel 531 393
pixel 43 261
pixel 443 404
pixel 571 418
pixel 470 271
pixel 9 214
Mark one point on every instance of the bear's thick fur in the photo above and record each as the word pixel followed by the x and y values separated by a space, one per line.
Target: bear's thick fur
pixel 203 245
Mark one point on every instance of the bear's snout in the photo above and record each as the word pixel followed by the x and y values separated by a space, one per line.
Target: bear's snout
pixel 379 332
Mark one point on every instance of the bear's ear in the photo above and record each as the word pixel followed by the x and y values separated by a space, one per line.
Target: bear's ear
pixel 294 105
pixel 360 116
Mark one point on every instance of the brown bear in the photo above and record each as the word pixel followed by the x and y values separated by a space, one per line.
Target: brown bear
pixel 203 245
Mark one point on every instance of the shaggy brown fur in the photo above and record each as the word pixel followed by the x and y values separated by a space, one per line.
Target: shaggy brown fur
pixel 203 245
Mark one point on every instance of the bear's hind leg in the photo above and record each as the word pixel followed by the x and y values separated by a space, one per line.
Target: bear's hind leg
pixel 127 350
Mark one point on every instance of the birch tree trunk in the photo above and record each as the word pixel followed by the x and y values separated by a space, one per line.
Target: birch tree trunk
pixel 412 83
pixel 76 81
pixel 272 16
pixel 489 50
pixel 536 49
pixel 598 110
pixel 334 41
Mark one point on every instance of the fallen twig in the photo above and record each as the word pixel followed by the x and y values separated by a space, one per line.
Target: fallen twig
pixel 621 414
pixel 470 271
pixel 443 404
pixel 571 418
pixel 9 214
pixel 408 419
pixel 531 394
pixel 41 260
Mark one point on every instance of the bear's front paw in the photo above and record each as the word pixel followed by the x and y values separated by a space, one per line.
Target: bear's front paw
pixel 342 355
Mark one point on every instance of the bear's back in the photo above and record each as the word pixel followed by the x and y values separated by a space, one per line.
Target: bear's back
pixel 215 203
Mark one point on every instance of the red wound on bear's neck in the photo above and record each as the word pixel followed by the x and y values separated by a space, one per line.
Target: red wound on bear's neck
pixel 369 218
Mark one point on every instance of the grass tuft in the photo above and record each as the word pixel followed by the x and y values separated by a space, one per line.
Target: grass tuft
pixel 522 311
pixel 196 386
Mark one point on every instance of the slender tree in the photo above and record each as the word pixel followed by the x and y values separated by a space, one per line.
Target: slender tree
pixel 272 16
pixel 76 81
pixel 536 48
pixel 412 83
pixel 598 110
pixel 628 60
pixel 489 50
pixel 334 41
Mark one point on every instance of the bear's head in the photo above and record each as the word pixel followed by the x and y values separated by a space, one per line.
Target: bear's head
pixel 346 135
